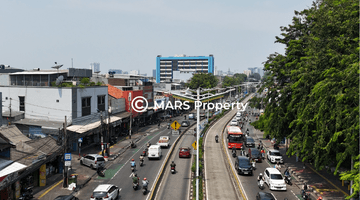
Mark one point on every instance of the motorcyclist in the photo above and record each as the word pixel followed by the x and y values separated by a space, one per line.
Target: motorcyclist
pixel 320 198
pixel 262 153
pixel 278 166
pixel 145 182
pixel 260 177
pixel 148 144
pixel 141 159
pixel 173 164
pixel 168 125
pixel 133 164
pixel 233 150
pixel 287 173
pixel 304 189
pixel 136 179
pixel 216 137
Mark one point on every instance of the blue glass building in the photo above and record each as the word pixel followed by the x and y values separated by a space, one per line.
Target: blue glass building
pixel 194 64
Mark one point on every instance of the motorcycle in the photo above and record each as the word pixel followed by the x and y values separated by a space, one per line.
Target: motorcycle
pixel 27 195
pixel 287 180
pixel 101 171
pixel 168 126
pixel 234 154
pixel 132 168
pixel 135 186
pixel 144 190
pixel 144 152
pixel 216 139
pixel 261 184
pixel 141 162
pixel 276 146
pixel 172 170
pixel 253 165
pixel 305 195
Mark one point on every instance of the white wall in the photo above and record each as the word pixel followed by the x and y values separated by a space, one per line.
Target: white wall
pixel 40 103
pixel 93 92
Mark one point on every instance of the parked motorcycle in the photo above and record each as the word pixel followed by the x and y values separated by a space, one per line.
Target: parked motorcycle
pixel 287 180
pixel 172 170
pixel 101 171
pixel 261 184
pixel 27 195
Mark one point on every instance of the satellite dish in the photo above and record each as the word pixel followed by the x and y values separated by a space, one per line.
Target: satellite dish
pixel 59 80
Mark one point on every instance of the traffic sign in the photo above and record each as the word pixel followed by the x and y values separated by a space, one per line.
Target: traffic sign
pixel 67 163
pixel 175 125
pixel 80 140
pixel 194 145
pixel 67 157
pixel 175 132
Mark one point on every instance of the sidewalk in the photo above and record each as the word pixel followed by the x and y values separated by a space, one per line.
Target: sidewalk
pixel 321 183
pixel 54 184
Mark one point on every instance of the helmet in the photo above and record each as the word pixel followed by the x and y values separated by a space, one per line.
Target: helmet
pixel 145 179
pixel 172 161
pixel 132 160
pixel 320 197
pixel 260 174
pixel 135 175
pixel 277 162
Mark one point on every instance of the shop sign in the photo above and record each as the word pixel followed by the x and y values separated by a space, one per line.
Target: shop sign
pixel 42 175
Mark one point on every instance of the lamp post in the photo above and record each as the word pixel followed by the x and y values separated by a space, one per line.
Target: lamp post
pixel 197 144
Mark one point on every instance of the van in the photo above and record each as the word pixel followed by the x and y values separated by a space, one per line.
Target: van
pixel 154 152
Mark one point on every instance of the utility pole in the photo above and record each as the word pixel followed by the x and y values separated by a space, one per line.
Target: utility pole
pixel 107 149
pixel 197 144
pixel 130 116
pixel 10 113
pixel 65 183
pixel 101 133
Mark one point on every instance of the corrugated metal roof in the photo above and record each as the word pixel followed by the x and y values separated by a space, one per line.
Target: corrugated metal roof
pixel 13 134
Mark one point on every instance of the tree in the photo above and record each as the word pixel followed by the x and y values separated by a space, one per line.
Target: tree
pixel 228 81
pixel 203 80
pixel 313 96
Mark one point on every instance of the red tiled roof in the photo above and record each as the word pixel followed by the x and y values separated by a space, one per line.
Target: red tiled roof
pixel 114 92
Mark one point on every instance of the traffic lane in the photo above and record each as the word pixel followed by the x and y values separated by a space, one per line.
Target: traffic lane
pixel 118 173
pixel 218 182
pixel 149 170
pixel 177 185
pixel 249 182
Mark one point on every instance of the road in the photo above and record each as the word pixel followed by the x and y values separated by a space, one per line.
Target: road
pixel 177 185
pixel 219 184
pixel 249 183
pixel 119 172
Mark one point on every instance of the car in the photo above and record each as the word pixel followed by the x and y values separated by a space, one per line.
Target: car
pixel 274 179
pixel 105 191
pixel 274 156
pixel 66 197
pixel 185 123
pixel 233 122
pixel 192 116
pixel 92 160
pixel 255 153
pixel 184 152
pixel 243 166
pixel 249 142
pixel 265 196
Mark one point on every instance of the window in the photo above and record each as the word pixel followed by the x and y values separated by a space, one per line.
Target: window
pixel 101 102
pixel 86 106
pixel 22 103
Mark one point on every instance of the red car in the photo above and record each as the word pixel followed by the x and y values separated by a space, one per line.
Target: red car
pixel 184 152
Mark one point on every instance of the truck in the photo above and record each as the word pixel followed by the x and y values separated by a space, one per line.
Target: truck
pixel 164 141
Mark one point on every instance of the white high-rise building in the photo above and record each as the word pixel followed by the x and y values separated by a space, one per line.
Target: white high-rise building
pixel 247 72
pixel 95 67
pixel 135 72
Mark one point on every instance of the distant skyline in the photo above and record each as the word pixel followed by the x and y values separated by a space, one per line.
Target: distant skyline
pixel 128 35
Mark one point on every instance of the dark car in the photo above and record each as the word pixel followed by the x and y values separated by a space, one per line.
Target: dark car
pixel 264 196
pixel 185 123
pixel 249 142
pixel 66 197
pixel 255 153
pixel 243 166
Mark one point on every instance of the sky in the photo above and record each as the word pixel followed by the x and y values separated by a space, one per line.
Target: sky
pixel 128 35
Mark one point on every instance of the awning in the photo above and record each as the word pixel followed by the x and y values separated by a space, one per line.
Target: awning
pixel 113 119
pixel 14 167
pixel 123 115
pixel 83 128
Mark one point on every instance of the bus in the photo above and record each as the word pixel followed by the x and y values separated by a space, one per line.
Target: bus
pixel 235 137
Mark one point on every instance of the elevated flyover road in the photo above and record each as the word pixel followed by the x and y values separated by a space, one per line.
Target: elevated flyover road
pixel 219 181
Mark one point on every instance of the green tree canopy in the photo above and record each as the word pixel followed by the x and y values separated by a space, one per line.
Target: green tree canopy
pixel 313 96
pixel 203 80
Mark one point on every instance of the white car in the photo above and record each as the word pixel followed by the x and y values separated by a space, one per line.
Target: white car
pixel 233 122
pixel 105 192
pixel 92 160
pixel 274 156
pixel 274 179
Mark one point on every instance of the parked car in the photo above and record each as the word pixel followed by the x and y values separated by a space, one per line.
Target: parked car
pixel 184 152
pixel 249 142
pixel 274 156
pixel 234 122
pixel 66 197
pixel 243 166
pixel 105 191
pixel 92 160
pixel 274 179
pixel 185 123
pixel 255 153
pixel 265 196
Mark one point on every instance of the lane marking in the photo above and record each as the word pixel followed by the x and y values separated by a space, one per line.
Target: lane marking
pixel 43 194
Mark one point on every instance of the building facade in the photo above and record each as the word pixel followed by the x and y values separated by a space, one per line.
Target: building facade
pixel 197 64
pixel 95 67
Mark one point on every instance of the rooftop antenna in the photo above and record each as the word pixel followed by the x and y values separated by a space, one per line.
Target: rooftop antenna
pixel 56 66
